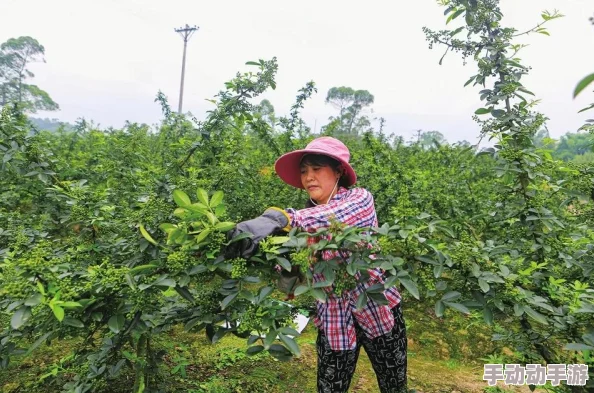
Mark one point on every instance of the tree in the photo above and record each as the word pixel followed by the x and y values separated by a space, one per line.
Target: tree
pixel 350 103
pixel 15 56
pixel 537 238
pixel 266 109
pixel 429 139
pixel 571 145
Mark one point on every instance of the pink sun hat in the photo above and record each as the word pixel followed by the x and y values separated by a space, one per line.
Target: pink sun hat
pixel 287 166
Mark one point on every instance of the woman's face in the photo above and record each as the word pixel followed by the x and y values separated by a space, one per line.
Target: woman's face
pixel 319 181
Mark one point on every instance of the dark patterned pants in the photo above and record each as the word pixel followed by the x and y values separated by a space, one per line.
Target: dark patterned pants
pixel 387 354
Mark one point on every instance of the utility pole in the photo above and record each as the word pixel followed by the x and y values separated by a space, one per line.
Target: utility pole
pixel 186 32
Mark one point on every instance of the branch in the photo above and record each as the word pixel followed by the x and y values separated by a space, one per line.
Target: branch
pixel 531 30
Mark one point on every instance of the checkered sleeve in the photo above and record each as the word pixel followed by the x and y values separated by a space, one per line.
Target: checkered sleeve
pixel 355 209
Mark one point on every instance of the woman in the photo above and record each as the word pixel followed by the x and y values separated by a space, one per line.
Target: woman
pixel 323 170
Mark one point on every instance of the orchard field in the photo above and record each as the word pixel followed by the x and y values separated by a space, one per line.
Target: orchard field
pixel 113 276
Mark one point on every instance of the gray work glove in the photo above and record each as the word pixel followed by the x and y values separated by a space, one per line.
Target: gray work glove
pixel 271 221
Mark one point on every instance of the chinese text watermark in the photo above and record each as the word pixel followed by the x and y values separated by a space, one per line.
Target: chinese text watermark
pixel 536 374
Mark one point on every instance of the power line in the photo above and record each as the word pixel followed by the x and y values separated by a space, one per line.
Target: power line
pixel 186 32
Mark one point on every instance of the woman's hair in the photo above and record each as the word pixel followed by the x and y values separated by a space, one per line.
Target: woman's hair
pixel 323 160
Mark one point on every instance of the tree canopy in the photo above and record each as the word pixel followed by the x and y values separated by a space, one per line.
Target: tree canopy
pixel 15 56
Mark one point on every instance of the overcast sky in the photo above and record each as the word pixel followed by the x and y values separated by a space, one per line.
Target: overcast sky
pixel 106 60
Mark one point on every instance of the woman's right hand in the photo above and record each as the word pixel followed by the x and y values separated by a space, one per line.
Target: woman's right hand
pixel 271 221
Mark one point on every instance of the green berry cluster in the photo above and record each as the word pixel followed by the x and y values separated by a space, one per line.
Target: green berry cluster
pixel 21 240
pixel 153 211
pixel 178 261
pixel 251 319
pixel 301 258
pixel 78 213
pixel 239 268
pixel 208 300
pixel 343 282
pixel 216 241
pixel 15 290
pixel 110 277
pixel 38 260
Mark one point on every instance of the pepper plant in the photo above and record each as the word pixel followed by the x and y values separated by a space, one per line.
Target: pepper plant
pixel 532 263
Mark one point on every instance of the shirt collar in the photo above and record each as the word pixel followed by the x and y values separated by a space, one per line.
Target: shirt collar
pixel 340 193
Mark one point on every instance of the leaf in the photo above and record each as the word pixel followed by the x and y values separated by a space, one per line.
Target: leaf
pixel 202 196
pixel 536 315
pixel 411 287
pixel 263 293
pixel 319 294
pixel 301 289
pixel 361 301
pixel 583 84
pixel 291 344
pixel 180 212
pixel 180 198
pixel 130 281
pixel 166 227
pixel 439 308
pixel 191 323
pixel 216 199
pixel 58 312
pixel 71 305
pixel 375 288
pixel 459 29
pixel 185 293
pixel 254 63
pixel 146 235
pixel 269 339
pixel 453 295
pixel 225 226
pixel 225 302
pixel 484 285
pixel 289 331
pixel 202 236
pixel 20 317
pixel 164 282
pixel 378 298
pixel 73 322
pixel 280 352
pixel 488 316
pixel 459 307
pixel 116 323
pixel 34 300
pixel 278 240
pixel 197 208
pixel 211 218
pixel 469 19
pixel 578 347
pixel 470 81
pixel 140 268
pixel 586 108
pixel 255 349
pixel 284 263
pixel 455 15
pixel 482 111
pixel 497 113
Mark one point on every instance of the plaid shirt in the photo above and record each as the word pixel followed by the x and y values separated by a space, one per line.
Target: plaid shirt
pixel 337 316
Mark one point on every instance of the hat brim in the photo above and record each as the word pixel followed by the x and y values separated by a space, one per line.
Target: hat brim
pixel 287 167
